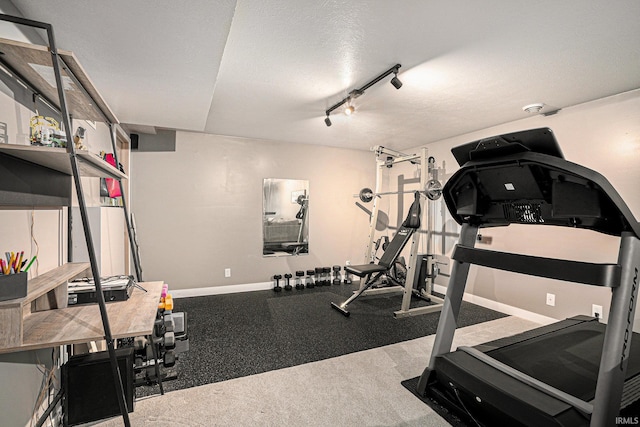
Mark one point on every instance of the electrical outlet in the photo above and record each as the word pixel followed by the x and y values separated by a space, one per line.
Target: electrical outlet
pixel 484 239
pixel 551 300
pixel 227 272
pixel 596 311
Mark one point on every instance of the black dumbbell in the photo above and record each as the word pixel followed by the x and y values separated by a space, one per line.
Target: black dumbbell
pixel 336 275
pixel 347 276
pixel 310 281
pixel 326 272
pixel 169 323
pixel 287 278
pixel 299 280
pixel 277 286
pixel 318 276
pixel 159 328
pixel 169 359
pixel 169 340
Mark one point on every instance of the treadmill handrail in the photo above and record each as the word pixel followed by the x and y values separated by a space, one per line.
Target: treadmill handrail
pixel 579 404
pixel 607 275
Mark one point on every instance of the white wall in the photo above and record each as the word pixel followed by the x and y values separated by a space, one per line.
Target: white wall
pixel 199 209
pixel 603 135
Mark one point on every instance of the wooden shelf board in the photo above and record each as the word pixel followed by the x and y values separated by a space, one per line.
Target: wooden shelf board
pixel 83 323
pixel 56 158
pixel 50 280
pixel 92 165
pixel 33 61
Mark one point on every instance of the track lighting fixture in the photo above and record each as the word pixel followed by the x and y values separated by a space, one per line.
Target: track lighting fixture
pixel 395 81
pixel 349 109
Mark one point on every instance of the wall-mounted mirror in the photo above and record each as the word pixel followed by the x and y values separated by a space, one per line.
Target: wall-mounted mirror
pixel 285 217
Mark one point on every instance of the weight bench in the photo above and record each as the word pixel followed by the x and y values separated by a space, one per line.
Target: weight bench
pixel 371 272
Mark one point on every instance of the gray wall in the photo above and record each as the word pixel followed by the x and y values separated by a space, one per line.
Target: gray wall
pixel 198 210
pixel 603 135
pixel 22 379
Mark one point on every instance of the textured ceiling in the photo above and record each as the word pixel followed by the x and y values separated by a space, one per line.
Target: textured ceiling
pixel 269 68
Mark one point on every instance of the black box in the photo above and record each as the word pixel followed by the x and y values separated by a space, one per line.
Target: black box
pixel 89 389
pixel 13 286
pixel 116 288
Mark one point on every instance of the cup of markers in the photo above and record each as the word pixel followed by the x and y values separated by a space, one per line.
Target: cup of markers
pixel 13 280
pixel 15 263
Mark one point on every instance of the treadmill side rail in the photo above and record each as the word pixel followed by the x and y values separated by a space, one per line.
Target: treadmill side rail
pixel 617 339
pixel 448 321
pixel 579 404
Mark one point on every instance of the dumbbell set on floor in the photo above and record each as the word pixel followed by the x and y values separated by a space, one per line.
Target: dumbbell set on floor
pixel 319 276
pixel 168 339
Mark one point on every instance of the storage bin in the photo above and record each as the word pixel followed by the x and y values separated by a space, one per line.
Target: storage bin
pixel 13 286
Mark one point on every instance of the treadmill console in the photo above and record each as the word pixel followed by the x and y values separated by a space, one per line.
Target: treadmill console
pixel 523 178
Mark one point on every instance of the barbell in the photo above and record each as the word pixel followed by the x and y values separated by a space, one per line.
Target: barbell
pixel 433 191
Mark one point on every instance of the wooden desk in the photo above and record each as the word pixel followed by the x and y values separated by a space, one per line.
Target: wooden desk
pixel 81 324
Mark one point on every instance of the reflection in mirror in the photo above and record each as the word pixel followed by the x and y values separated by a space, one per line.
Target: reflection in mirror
pixel 285 223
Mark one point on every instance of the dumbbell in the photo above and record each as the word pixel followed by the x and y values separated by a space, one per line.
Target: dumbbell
pixel 169 323
pixel 165 290
pixel 336 275
pixel 287 278
pixel 310 281
pixel 318 276
pixel 139 361
pixel 326 273
pixel 166 303
pixel 169 340
pixel 347 276
pixel 277 286
pixel 299 281
pixel 169 359
pixel 158 328
pixel 139 343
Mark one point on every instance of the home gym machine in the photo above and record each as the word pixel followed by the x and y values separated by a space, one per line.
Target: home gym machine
pixel 575 372
pixel 430 190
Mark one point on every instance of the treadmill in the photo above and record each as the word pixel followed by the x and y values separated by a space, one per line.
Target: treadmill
pixel 576 372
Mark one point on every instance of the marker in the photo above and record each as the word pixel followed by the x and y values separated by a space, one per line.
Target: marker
pixel 19 262
pixel 29 265
pixel 4 270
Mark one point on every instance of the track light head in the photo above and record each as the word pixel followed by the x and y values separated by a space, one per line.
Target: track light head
pixel 395 81
pixel 349 110
pixel 327 121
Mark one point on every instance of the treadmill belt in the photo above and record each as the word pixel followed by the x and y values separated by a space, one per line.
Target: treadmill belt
pixel 567 359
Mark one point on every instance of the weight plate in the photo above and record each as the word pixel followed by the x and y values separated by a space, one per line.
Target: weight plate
pixel 366 195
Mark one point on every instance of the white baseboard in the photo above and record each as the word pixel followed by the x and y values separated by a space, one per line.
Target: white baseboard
pixel 501 307
pixel 220 290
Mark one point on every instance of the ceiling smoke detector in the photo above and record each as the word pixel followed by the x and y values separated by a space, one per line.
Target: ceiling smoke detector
pixel 533 108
